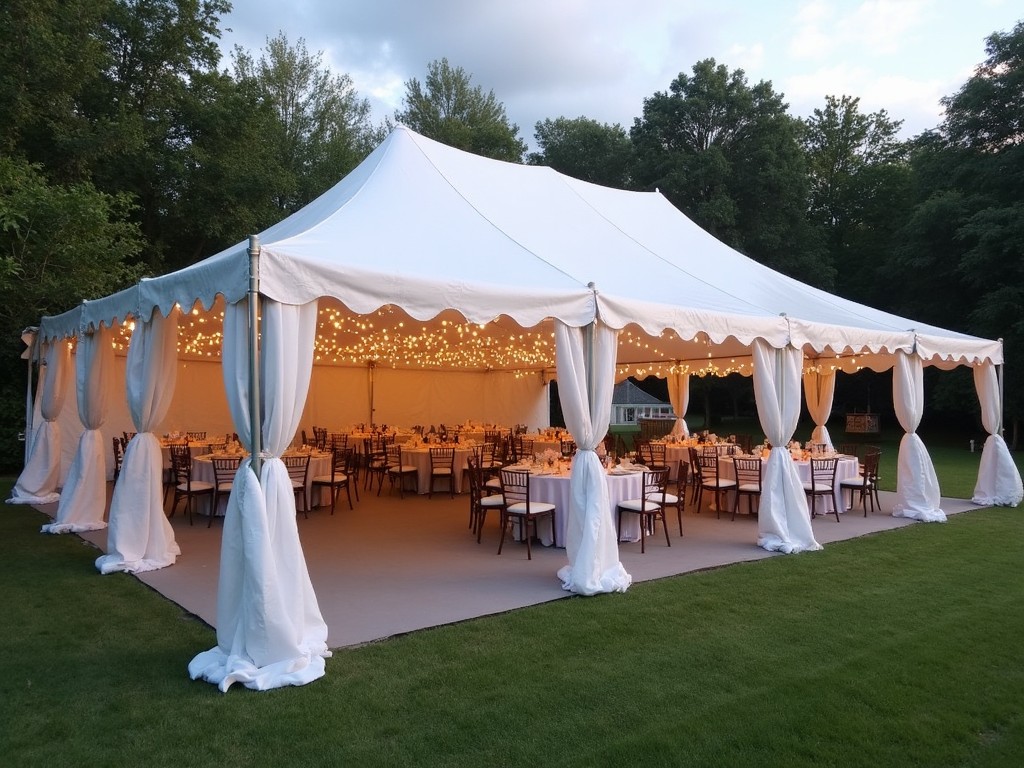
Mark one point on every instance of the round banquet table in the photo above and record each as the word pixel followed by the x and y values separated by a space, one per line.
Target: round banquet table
pixel 420 458
pixel 553 488
pixel 319 464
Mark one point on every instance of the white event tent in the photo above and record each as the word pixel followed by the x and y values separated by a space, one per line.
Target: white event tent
pixel 428 258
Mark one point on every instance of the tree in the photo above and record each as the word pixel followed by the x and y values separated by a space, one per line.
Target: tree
pixel 728 155
pixel 59 244
pixel 585 149
pixel 447 108
pixel 322 128
pixel 962 250
pixel 860 177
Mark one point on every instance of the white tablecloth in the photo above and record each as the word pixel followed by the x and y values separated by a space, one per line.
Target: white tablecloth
pixel 319 464
pixel 420 458
pixel 846 468
pixel 554 489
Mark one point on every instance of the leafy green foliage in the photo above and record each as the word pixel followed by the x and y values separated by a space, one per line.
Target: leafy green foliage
pixel 728 155
pixel 446 107
pixel 320 128
pixel 585 149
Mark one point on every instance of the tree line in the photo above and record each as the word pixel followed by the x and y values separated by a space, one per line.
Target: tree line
pixel 128 147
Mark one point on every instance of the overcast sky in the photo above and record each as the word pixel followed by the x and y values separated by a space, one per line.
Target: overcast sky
pixel 601 58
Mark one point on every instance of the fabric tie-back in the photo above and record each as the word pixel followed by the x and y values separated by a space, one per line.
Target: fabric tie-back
pixel 270 632
pixel 999 481
pixel 917 486
pixel 84 497
pixel 590 539
pixel 819 390
pixel 784 523
pixel 38 481
pixel 140 536
pixel 679 397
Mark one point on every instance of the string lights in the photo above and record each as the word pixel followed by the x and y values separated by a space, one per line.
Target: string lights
pixel 389 337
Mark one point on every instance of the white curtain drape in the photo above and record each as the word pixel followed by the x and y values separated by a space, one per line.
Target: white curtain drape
pixel 38 481
pixel 590 543
pixel 140 536
pixel 917 487
pixel 999 482
pixel 270 632
pixel 784 523
pixel 679 397
pixel 819 389
pixel 84 497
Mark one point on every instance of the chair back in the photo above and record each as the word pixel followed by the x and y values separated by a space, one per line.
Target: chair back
pixel 870 465
pixel 442 458
pixel 568 448
pixel 654 482
pixel 484 454
pixel 297 467
pixel 225 467
pixel 708 463
pixel 849 449
pixel 515 486
pixel 748 471
pixel 338 440
pixel 823 474
pixel 190 435
pixel 653 454
pixel 181 465
pixel 340 458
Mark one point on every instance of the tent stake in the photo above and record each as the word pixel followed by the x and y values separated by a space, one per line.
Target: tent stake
pixel 255 422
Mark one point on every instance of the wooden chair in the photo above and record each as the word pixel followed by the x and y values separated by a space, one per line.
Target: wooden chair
pixel 298 470
pixel 712 480
pixel 119 457
pixel 396 470
pixel 442 467
pixel 375 461
pixel 653 455
pixel 190 436
pixel 480 500
pixel 339 477
pixel 866 483
pixel 184 486
pixel 224 470
pixel 695 490
pixel 515 490
pixel 650 506
pixel 748 482
pixel 849 449
pixel 678 499
pixel 822 483
pixel 568 448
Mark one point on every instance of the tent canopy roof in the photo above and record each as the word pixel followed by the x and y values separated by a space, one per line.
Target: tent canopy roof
pixel 425 247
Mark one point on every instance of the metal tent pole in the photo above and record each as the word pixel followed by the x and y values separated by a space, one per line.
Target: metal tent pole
pixel 255 420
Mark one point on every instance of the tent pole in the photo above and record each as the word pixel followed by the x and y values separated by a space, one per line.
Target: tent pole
pixel 999 377
pixel 30 401
pixel 255 420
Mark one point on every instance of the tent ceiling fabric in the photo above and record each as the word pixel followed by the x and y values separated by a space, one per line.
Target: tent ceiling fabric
pixel 423 244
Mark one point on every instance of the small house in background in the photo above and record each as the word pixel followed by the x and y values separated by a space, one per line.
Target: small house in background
pixel 630 404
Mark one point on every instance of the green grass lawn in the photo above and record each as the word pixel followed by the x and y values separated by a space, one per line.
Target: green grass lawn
pixel 898 649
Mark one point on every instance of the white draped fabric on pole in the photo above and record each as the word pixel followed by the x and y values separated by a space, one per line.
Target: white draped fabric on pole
pixel 999 482
pixel 586 378
pixel 679 397
pixel 84 497
pixel 140 536
pixel 38 481
pixel 270 632
pixel 819 389
pixel 917 487
pixel 784 523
